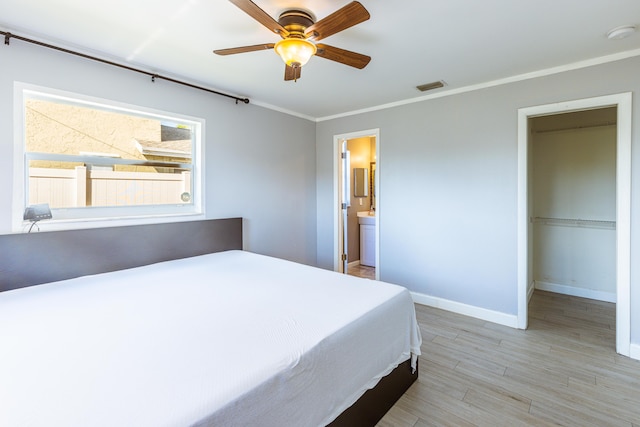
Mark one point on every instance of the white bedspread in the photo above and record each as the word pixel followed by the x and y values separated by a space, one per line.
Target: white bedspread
pixel 227 339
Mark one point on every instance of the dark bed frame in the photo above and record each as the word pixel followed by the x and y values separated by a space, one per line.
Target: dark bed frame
pixel 35 258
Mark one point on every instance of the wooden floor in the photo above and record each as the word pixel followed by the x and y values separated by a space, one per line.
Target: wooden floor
pixel 563 370
pixel 362 271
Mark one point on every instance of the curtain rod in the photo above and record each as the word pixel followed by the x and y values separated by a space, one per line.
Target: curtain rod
pixel 8 36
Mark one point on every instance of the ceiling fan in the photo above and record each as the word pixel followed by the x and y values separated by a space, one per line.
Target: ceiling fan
pixel 300 33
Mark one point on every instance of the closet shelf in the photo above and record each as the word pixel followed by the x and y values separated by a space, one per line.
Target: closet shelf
pixel 572 222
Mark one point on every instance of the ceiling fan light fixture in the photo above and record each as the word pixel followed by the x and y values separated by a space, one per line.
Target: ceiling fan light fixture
pixel 295 52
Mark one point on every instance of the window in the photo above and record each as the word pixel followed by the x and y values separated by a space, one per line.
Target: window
pixel 95 159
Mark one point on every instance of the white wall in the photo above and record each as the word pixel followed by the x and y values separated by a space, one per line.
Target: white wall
pixel 448 186
pixel 574 177
pixel 252 168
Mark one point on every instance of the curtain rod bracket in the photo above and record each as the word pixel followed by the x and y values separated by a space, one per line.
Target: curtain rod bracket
pixel 7 37
pixel 153 78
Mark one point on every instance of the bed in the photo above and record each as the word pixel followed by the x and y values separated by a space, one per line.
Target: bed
pixel 175 325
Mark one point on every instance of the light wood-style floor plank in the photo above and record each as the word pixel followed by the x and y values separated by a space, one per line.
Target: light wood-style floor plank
pixel 563 370
pixel 362 271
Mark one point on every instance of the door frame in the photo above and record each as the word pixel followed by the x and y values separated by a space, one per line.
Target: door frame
pixel 623 102
pixel 337 188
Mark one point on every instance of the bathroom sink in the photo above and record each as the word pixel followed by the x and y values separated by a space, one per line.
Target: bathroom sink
pixel 366 214
pixel 364 218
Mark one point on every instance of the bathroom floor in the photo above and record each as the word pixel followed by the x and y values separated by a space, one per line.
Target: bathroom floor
pixel 362 271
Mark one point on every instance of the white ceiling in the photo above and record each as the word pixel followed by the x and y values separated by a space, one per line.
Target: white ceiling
pixel 411 42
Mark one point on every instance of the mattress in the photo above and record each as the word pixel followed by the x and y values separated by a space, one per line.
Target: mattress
pixel 231 338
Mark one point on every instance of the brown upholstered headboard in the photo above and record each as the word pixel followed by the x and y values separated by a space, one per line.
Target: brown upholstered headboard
pixel 35 258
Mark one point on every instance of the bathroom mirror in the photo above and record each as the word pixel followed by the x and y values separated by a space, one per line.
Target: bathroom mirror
pixel 360 182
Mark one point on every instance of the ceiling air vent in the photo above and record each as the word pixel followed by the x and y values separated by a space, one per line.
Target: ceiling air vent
pixel 431 86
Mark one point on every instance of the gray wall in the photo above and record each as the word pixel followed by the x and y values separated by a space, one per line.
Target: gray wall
pixel 447 170
pixel 448 185
pixel 252 168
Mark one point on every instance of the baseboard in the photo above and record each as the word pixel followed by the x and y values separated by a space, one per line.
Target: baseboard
pixel 500 318
pixel 354 263
pixel 503 318
pixel 634 351
pixel 576 292
pixel 530 289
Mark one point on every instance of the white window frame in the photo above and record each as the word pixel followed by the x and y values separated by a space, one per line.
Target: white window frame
pixel 102 216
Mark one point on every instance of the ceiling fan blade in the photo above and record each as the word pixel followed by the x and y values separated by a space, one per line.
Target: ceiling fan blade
pixel 243 49
pixel 346 57
pixel 291 73
pixel 346 17
pixel 251 9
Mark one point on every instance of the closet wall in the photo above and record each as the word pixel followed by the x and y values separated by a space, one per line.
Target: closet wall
pixel 574 203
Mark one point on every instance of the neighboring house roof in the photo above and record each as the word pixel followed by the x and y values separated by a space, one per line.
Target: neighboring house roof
pixel 179 148
pixel 169 133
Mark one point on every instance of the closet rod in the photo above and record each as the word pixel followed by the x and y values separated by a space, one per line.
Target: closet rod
pixel 8 36
pixel 575 127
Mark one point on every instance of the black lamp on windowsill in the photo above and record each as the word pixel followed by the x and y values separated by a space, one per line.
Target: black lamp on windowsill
pixel 35 213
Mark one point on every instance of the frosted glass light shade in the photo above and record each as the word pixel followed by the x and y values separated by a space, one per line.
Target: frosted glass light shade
pixel 295 52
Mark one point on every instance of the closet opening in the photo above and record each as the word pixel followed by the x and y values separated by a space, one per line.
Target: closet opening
pixel 574 209
pixel 573 173
pixel 573 203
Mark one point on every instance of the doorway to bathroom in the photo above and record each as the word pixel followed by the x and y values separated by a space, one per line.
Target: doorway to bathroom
pixel 357 199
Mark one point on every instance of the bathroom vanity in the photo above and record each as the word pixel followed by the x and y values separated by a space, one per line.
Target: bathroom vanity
pixel 367 224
